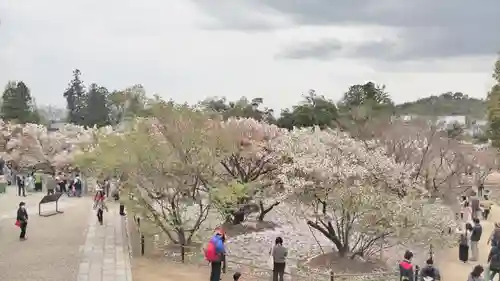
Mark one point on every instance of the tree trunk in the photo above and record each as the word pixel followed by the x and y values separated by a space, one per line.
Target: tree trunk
pixel 263 211
pixel 330 233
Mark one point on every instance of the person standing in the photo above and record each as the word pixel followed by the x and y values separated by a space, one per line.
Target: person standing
pixel 279 254
pixel 22 220
pixel 480 190
pixel 475 205
pixel 495 235
pixel 107 186
pixel 463 246
pixel 406 267
pixel 494 262
pixel 77 185
pixel 38 181
pixel 50 184
pixel 21 189
pixel 475 236
pixel 61 183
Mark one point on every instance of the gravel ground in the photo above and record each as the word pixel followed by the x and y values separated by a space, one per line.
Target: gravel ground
pixel 52 251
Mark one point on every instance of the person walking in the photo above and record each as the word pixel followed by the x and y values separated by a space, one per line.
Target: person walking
pixel 463 246
pixel 279 254
pixel 476 274
pixel 21 189
pixel 475 236
pixel 215 254
pixel 406 267
pixel 430 272
pixel 494 262
pixel 22 220
pixel 100 205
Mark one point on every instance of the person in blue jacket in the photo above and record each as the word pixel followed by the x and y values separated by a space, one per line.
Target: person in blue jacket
pixel 216 266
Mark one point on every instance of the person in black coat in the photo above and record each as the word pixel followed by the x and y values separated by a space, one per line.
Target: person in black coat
pixel 22 218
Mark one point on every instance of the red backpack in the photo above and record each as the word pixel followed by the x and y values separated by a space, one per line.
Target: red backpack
pixel 210 252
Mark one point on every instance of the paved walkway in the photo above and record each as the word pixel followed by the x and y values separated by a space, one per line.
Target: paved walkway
pixel 67 247
pixel 453 269
pixel 105 254
pixel 52 251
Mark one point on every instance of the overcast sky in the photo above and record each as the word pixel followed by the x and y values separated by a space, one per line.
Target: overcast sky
pixel 275 49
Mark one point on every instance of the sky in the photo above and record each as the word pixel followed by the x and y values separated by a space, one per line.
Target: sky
pixel 189 50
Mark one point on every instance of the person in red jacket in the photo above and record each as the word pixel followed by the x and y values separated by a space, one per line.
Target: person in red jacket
pixel 406 267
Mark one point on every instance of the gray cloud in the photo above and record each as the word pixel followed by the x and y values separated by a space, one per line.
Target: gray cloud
pixel 427 28
pixel 322 50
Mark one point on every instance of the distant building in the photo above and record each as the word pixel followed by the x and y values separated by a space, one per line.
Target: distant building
pixel 471 127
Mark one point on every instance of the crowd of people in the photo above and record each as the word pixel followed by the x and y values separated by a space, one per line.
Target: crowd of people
pixel 474 208
pixel 71 186
pixel 36 181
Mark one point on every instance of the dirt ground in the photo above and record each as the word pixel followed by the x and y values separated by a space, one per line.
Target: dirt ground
pixel 145 269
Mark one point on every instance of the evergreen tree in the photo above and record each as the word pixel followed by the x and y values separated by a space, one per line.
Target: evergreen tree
pixel 75 99
pixel 17 104
pixel 494 108
pixel 97 107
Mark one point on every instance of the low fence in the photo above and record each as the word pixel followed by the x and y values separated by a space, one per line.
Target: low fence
pixel 153 246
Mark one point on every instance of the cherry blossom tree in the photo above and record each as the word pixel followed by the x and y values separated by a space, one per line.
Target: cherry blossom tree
pixel 32 145
pixel 435 161
pixel 254 163
pixel 355 195
pixel 482 163
pixel 167 163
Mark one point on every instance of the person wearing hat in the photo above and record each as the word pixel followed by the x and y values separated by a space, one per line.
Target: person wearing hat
pixel 22 220
pixel 100 204
pixel 216 267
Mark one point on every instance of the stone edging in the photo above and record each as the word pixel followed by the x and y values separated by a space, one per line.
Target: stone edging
pixel 128 248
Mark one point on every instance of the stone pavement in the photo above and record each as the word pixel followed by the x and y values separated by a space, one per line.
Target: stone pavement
pixel 106 253
pixel 66 247
pixel 52 251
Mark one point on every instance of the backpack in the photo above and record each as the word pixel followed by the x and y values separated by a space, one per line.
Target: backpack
pixel 211 252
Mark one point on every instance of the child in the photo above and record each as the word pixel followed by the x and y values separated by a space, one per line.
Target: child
pixel 236 276
pixel 100 205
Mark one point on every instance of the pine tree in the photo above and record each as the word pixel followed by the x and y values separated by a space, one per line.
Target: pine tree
pixel 494 108
pixel 97 110
pixel 17 104
pixel 75 99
